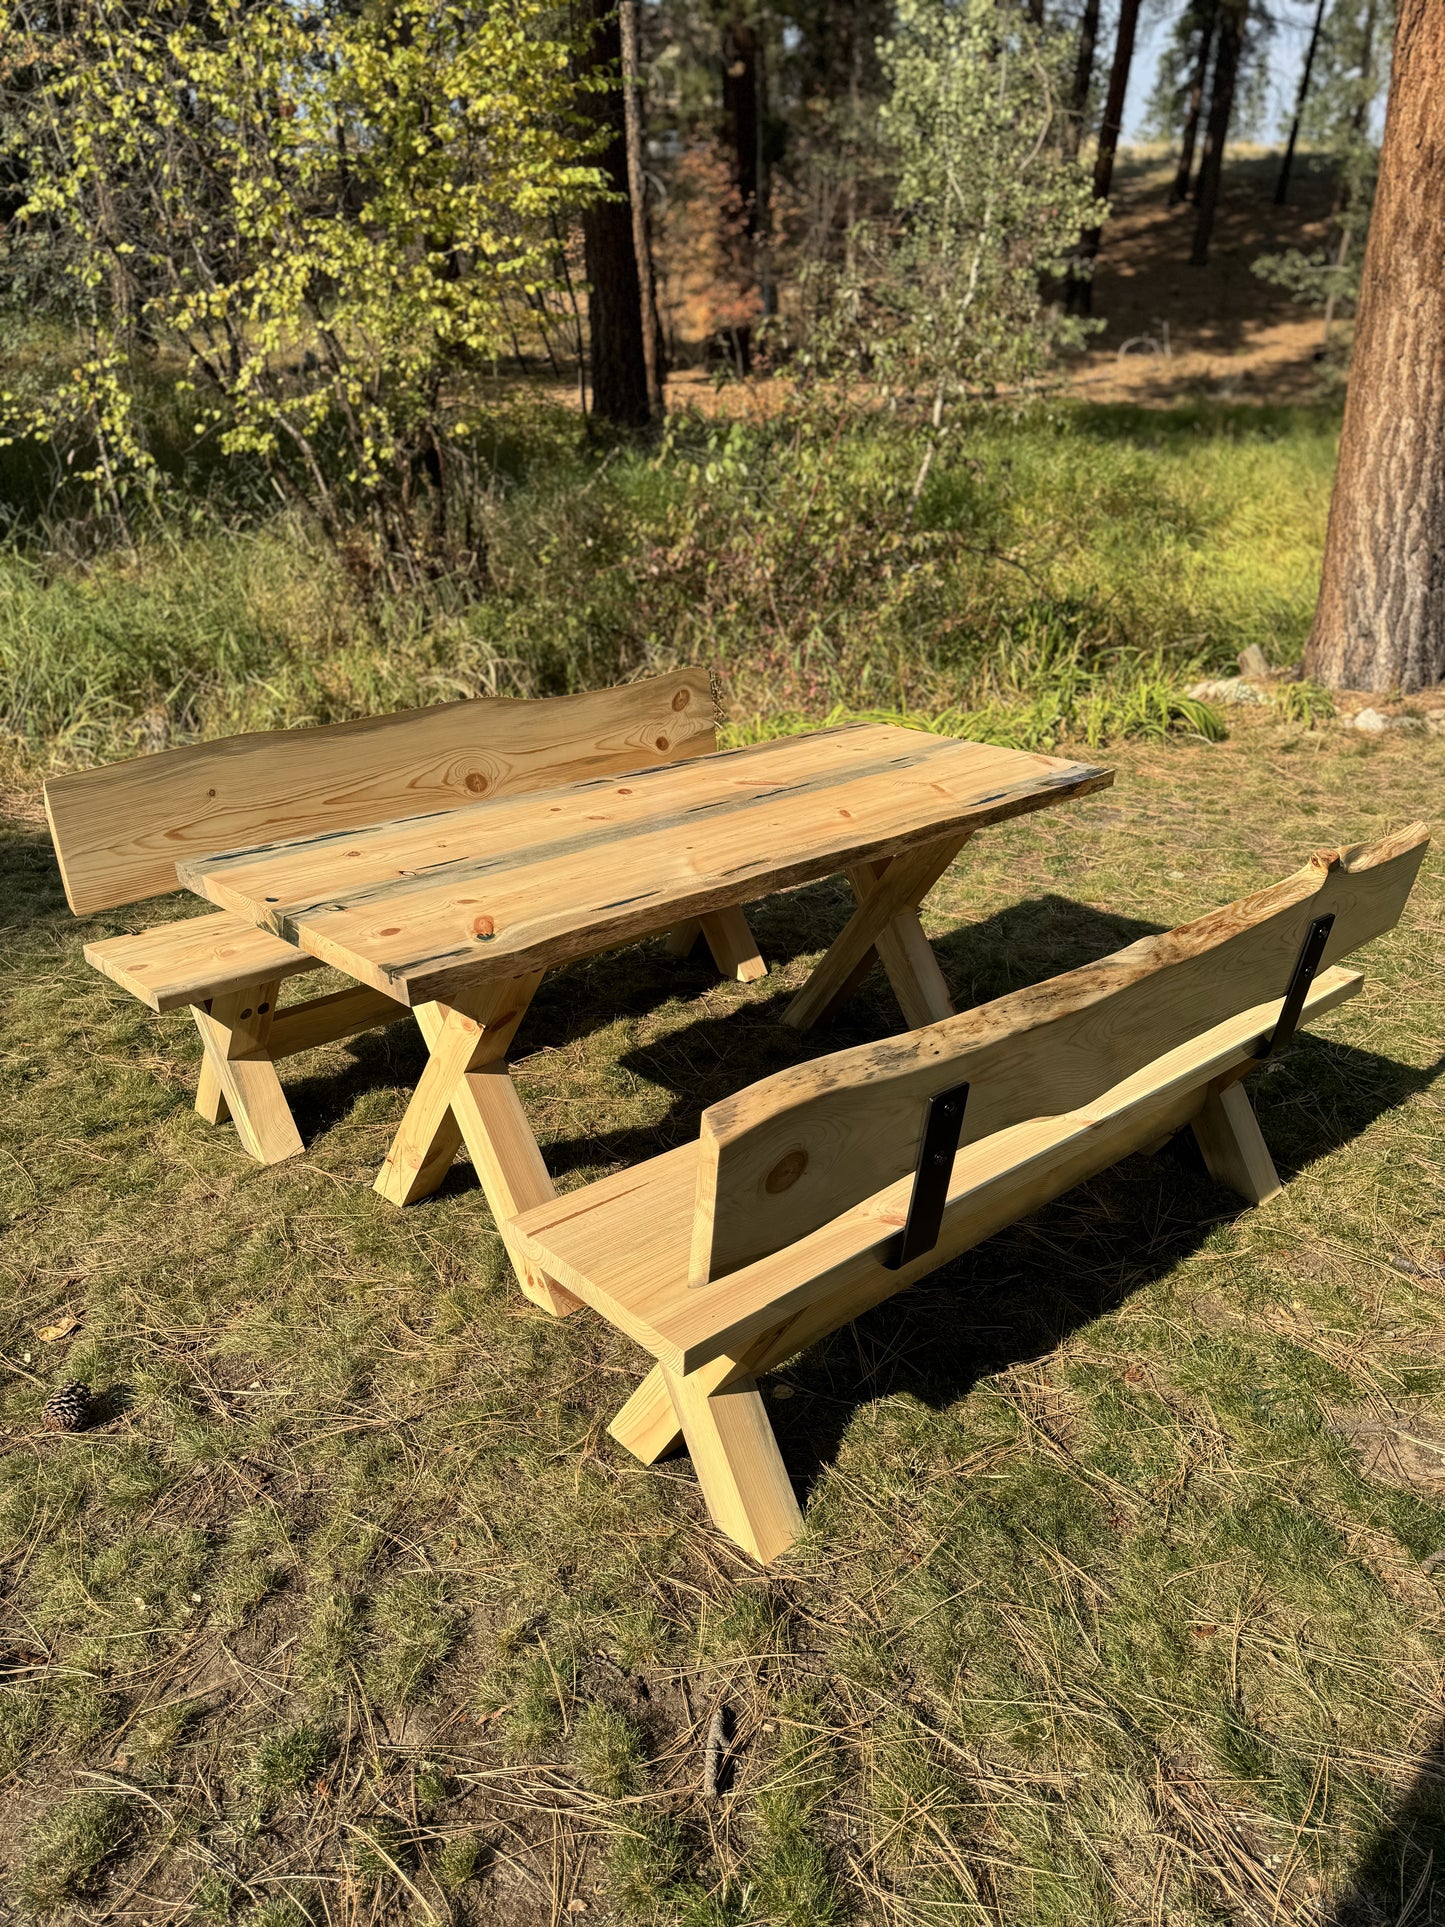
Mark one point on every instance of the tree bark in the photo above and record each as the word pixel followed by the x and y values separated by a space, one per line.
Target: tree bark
pixel 1281 186
pixel 1232 17
pixel 1380 620
pixel 1180 190
pixel 1080 294
pixel 614 305
pixel 637 193
pixel 1083 76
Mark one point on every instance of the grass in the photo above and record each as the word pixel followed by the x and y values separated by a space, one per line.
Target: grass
pixel 1119 1599
pixel 1067 573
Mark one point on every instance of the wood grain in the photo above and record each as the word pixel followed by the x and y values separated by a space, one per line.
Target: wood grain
pixel 119 831
pixel 455 898
pixel 785 1156
pixel 175 964
pixel 622 1245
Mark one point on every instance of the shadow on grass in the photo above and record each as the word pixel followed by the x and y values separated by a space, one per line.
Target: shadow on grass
pixel 1400 1881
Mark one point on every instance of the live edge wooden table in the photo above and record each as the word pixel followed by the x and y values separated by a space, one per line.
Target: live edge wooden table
pixel 459 913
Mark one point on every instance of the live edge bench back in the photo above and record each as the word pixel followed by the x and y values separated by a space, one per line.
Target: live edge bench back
pixel 119 831
pixel 786 1156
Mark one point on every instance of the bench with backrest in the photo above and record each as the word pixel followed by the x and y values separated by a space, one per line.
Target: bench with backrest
pixel 119 832
pixel 824 1189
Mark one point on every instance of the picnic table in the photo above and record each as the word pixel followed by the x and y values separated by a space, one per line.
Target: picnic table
pixel 459 912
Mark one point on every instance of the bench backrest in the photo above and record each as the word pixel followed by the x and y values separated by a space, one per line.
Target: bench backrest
pixel 787 1155
pixel 119 830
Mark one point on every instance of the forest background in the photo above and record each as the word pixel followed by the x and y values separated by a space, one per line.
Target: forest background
pixel 330 382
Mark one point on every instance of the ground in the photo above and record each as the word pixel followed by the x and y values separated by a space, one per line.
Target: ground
pixel 1120 1595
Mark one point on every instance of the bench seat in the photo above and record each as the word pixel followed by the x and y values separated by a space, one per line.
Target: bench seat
pixel 815 1194
pixel 190 962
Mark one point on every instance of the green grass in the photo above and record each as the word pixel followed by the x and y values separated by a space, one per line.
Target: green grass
pixel 1117 1600
pixel 1067 573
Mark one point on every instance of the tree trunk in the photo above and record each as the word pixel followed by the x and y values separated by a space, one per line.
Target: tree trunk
pixel 1281 186
pixel 740 131
pixel 1232 16
pixel 637 191
pixel 1380 620
pixel 614 306
pixel 1083 76
pixel 1180 190
pixel 1080 294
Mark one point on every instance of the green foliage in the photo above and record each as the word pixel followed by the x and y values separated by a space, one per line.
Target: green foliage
pixel 322 210
pixel 1067 572
pixel 608 1749
pixel 945 294
pixel 69 1848
pixel 288 1758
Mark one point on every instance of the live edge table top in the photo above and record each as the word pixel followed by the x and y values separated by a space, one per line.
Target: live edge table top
pixel 422 906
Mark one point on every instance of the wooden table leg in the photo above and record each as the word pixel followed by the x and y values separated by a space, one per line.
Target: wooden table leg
pixel 734 947
pixel 896 891
pixel 240 1077
pixel 465 1093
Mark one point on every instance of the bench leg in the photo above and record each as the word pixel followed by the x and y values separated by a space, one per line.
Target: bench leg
pixel 210 1098
pixel 738 1464
pixel 466 1093
pixel 242 1076
pixel 732 943
pixel 889 900
pixel 1232 1145
pixel 907 956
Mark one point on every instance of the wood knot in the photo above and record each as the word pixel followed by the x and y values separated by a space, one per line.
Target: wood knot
pixel 476 782
pixel 391 930
pixel 662 742
pixel 483 928
pixel 682 699
pixel 788 1169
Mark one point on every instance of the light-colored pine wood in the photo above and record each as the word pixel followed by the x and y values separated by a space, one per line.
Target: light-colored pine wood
pixel 119 831
pixel 464 1036
pixel 738 1464
pixel 175 964
pixel 623 1244
pixel 234 1032
pixel 907 957
pixel 210 1098
pixel 523 883
pixel 897 887
pixel 788 1154
pixel 734 947
pixel 326 1020
pixel 510 1171
pixel 1232 1145
pixel 682 939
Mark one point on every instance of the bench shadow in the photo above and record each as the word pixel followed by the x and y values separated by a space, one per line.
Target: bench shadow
pixel 1400 1880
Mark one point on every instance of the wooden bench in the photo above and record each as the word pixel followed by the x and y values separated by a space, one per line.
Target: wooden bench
pixel 120 831
pixel 824 1189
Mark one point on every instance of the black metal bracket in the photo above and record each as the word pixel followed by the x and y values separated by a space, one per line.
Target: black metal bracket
pixel 942 1125
pixel 1301 977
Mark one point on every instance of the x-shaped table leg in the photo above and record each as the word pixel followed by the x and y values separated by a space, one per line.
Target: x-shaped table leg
pixel 885 923
pixel 466 1094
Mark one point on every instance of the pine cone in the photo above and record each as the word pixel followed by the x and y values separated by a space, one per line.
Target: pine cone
pixel 68 1409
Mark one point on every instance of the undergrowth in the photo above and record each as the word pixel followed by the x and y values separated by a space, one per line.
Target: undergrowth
pixel 1066 574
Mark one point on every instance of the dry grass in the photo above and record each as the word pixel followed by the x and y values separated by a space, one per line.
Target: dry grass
pixel 1118 1601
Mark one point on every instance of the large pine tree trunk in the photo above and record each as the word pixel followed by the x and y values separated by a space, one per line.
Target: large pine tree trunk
pixel 1081 282
pixel 1380 620
pixel 614 305
pixel 1232 16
